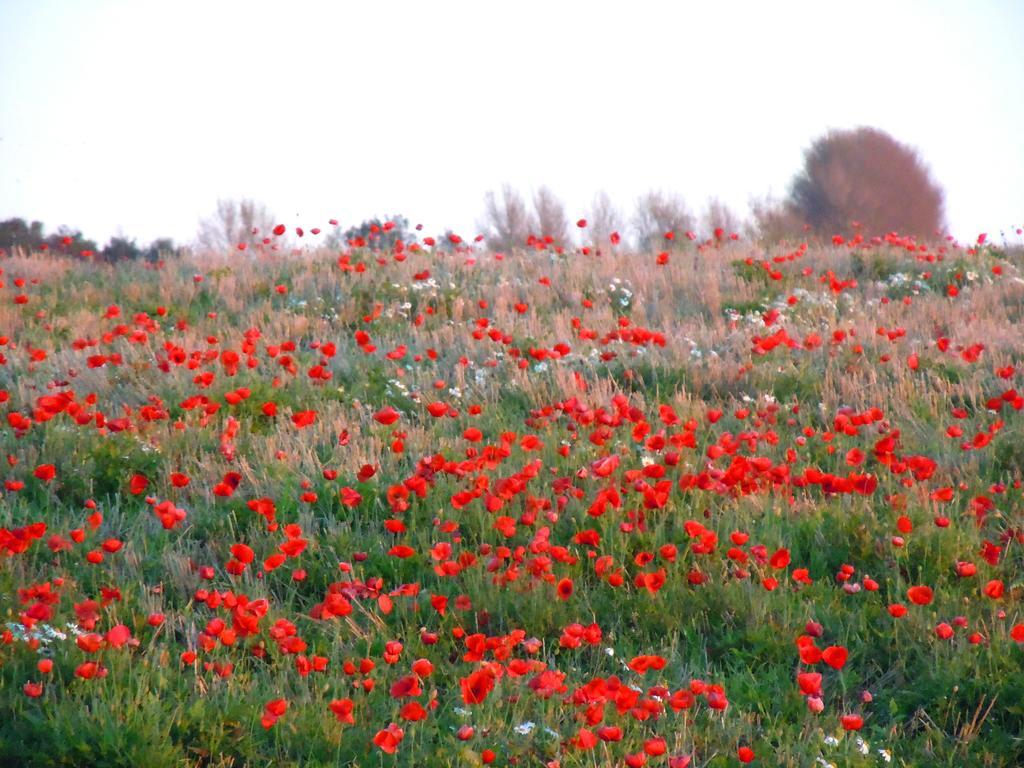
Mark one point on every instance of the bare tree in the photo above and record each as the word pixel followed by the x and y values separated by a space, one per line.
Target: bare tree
pixel 719 216
pixel 866 175
pixel 603 218
pixel 773 220
pixel 506 223
pixel 234 222
pixel 549 217
pixel 658 213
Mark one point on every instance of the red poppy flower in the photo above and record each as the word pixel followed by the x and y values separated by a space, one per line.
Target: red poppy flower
pixel 406 687
pixel 852 722
pixel 920 595
pixel 477 686
pixel 342 709
pixel 303 419
pixel 810 683
pixel 994 589
pixel 137 484
pixel 386 416
pixel 388 739
pixel 780 559
pixel 835 656
pixel 564 589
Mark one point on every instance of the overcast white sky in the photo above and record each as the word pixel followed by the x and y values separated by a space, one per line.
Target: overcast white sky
pixel 134 117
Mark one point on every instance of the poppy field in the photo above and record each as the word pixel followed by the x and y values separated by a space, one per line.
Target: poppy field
pixel 727 503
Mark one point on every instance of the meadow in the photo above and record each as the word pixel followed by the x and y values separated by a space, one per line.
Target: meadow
pixel 728 503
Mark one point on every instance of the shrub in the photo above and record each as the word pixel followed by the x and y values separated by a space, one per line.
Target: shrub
pixel 865 175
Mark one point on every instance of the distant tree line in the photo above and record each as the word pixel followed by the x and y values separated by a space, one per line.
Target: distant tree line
pixel 243 224
pixel 385 234
pixel 17 234
pixel 851 181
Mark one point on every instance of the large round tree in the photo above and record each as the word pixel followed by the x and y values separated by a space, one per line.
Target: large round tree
pixel 865 175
